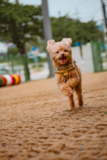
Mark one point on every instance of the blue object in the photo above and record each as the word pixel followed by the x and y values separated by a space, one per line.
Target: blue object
pixel 77 43
pixel 35 58
pixel 104 47
pixel 34 48
pixel 31 55
pixel 12 46
pixel 101 27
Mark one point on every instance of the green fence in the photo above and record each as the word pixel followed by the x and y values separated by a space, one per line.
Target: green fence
pixel 10 64
pixel 99 54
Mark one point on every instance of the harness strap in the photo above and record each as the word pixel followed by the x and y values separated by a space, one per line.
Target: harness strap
pixel 61 68
pixel 66 72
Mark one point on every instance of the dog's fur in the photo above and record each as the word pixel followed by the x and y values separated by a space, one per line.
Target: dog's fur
pixel 58 52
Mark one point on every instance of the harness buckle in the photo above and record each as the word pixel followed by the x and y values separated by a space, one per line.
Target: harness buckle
pixel 65 73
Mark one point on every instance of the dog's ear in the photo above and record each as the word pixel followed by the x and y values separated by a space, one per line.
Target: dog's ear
pixel 67 40
pixel 50 43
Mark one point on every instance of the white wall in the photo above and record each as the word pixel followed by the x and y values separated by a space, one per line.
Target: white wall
pixel 76 53
pixel 3 48
pixel 85 64
pixel 87 56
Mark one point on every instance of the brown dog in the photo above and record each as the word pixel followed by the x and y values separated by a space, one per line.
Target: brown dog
pixel 67 73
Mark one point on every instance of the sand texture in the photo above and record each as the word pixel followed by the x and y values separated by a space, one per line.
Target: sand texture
pixel 36 123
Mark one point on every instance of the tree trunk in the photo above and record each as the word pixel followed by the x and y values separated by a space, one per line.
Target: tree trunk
pixel 22 50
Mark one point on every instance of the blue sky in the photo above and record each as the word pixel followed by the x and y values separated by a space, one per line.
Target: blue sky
pixel 85 10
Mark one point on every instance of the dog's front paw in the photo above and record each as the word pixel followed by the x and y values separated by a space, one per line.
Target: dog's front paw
pixel 67 90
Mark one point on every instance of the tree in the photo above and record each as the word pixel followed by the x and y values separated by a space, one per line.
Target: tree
pixel 77 30
pixel 20 23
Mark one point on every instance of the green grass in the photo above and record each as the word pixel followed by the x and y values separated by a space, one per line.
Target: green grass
pixel 53 119
pixel 69 116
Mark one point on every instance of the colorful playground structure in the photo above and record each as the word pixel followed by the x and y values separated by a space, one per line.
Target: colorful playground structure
pixel 7 79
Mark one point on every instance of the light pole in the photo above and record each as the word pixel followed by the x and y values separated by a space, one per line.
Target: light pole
pixel 17 1
pixel 47 32
pixel 104 19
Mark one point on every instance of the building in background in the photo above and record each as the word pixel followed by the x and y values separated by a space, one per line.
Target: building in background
pixel 3 48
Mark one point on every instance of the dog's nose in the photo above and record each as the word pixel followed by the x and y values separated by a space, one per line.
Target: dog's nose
pixel 62 54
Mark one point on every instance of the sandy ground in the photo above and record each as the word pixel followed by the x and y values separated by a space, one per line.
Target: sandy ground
pixel 36 123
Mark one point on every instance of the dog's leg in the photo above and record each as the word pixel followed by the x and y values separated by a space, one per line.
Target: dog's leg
pixel 65 89
pixel 63 86
pixel 72 82
pixel 71 102
pixel 78 90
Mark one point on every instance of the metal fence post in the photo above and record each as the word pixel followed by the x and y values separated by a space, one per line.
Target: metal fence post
pixel 96 55
pixel 93 55
pixel 25 67
pixel 12 62
pixel 99 55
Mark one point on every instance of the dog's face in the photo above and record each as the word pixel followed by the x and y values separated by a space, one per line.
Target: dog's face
pixel 60 52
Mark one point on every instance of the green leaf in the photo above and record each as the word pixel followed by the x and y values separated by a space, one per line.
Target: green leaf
pixel 69 116
pixel 85 120
pixel 53 119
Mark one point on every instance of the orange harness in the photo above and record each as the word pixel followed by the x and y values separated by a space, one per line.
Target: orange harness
pixel 65 71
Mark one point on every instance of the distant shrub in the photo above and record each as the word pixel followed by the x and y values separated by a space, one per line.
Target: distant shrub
pixel 13 51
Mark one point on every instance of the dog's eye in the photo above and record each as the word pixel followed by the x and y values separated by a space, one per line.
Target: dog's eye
pixel 65 50
pixel 57 52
